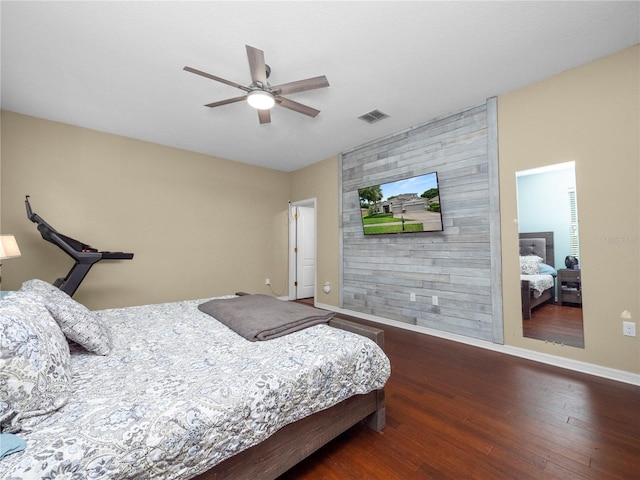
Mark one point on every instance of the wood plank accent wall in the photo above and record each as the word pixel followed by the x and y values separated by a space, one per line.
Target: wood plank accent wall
pixel 461 265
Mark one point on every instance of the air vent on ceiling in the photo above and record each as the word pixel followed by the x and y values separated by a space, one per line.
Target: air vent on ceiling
pixel 373 116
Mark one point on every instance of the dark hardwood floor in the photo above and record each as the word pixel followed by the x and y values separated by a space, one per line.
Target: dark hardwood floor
pixel 460 412
pixel 555 323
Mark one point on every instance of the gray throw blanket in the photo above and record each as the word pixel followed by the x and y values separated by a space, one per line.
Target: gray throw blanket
pixel 261 317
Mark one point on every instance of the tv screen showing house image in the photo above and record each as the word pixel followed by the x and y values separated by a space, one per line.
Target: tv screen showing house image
pixel 410 205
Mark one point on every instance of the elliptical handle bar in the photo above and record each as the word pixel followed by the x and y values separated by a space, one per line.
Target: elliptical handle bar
pixel 34 217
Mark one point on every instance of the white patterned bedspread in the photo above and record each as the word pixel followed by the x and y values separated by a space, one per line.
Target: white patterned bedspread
pixel 180 393
pixel 539 283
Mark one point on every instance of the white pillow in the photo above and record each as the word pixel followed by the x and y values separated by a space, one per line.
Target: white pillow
pixel 530 264
pixel 35 371
pixel 77 322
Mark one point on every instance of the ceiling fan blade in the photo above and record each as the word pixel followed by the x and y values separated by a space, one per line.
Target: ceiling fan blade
pixel 264 116
pixel 257 66
pixel 217 79
pixel 296 107
pixel 301 85
pixel 226 102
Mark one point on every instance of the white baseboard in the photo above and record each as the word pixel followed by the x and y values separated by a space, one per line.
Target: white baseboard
pixel 576 365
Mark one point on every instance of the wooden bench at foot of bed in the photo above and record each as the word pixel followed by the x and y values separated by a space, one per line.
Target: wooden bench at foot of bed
pixel 296 441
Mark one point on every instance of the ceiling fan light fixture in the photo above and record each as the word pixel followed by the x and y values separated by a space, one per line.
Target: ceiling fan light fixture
pixel 261 99
pixel 260 95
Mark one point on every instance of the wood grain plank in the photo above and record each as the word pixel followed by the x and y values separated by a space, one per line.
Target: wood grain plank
pixel 379 273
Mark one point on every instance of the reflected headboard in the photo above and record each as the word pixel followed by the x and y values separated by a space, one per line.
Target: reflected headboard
pixel 538 243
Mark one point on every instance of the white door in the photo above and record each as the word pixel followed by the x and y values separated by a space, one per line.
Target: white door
pixel 305 251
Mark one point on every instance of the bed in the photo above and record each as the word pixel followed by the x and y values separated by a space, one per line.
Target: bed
pixel 167 391
pixel 537 273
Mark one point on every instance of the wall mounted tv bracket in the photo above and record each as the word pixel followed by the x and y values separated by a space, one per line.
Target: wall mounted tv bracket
pixel 84 255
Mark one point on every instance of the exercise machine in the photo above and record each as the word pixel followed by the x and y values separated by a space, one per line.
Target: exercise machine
pixel 85 256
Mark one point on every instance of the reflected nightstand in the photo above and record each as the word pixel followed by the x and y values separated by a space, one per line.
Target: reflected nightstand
pixel 569 287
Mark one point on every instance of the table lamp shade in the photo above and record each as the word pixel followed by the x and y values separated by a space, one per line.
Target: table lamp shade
pixel 8 247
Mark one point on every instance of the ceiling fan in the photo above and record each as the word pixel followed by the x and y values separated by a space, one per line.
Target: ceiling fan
pixel 262 96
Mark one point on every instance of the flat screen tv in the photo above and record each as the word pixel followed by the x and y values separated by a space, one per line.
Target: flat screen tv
pixel 409 205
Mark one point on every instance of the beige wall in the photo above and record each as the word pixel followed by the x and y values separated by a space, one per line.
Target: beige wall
pixel 590 115
pixel 320 181
pixel 198 225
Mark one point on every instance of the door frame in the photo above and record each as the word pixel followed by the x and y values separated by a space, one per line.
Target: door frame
pixel 310 203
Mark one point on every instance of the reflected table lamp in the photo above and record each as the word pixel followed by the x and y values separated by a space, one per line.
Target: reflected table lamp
pixel 8 248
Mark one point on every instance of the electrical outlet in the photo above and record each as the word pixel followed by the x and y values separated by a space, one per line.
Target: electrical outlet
pixel 267 282
pixel 629 329
pixel 412 297
pixel 434 300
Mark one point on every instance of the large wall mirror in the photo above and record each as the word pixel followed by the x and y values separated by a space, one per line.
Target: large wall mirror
pixel 550 280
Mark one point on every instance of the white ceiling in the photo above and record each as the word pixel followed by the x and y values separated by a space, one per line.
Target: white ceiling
pixel 117 66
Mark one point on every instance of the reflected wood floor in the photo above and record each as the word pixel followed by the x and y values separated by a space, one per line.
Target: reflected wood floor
pixel 555 323
pixel 460 412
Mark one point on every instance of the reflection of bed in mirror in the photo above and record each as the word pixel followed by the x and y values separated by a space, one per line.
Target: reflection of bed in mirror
pixel 537 280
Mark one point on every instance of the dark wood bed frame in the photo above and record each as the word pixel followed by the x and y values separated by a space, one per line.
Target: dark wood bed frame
pixel 296 441
pixel 529 302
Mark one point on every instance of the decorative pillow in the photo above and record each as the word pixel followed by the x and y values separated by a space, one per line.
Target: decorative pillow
pixel 77 322
pixel 35 372
pixel 530 264
pixel 547 270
